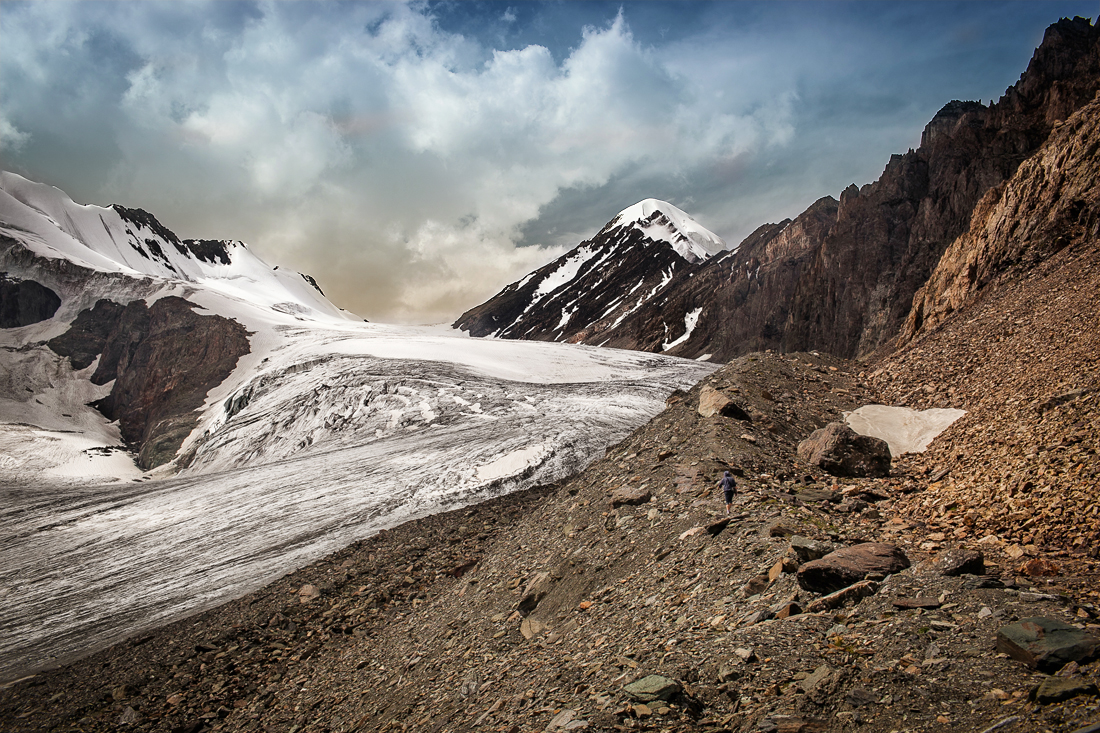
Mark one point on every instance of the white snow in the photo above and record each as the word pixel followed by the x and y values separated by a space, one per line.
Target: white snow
pixel 346 428
pixel 564 274
pixel 690 320
pixel 906 430
pixel 688 237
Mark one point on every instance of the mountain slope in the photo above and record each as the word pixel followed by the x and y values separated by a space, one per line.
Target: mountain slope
pixel 841 277
pixel 600 282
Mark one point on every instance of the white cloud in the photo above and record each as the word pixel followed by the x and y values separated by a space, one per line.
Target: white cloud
pixel 11 138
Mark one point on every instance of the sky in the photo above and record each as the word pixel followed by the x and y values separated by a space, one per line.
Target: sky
pixel 417 157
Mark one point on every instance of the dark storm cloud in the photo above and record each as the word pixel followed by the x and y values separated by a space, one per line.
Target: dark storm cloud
pixel 416 157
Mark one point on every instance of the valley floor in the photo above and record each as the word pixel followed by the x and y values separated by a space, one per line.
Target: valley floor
pixel 533 611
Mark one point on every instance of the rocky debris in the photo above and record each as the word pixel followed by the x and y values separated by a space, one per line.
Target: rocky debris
pixel 959 561
pixel 163 359
pixel 841 568
pixel 712 402
pixel 395 638
pixel 918 602
pixel 23 302
pixel 1046 644
pixel 841 451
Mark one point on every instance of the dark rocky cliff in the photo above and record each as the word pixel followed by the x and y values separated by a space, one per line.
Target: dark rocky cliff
pixel 841 277
pixel 23 302
pixel 163 359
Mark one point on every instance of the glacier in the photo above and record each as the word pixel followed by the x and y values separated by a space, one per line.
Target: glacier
pixel 329 430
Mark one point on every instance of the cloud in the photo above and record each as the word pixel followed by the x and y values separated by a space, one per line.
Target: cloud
pixel 415 166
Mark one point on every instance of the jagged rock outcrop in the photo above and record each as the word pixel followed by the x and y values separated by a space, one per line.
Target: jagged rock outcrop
pixel 1053 201
pixel 841 277
pixel 163 359
pixel 23 302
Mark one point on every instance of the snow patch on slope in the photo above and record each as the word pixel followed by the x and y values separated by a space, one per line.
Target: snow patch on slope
pixel 905 429
pixel 690 321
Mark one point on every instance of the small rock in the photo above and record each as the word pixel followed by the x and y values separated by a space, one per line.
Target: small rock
pixel 120 693
pixel 951 563
pixel 748 438
pixel 653 687
pixel 642 710
pixel 918 602
pixel 843 596
pixel 129 717
pixel 806 549
pixel 1057 689
pixel 1045 644
pixel 712 402
pixel 816 496
pixel 746 655
pixel 715 528
pixel 786 610
pixel 757 584
pixel 308 592
pixel 630 496
pixel 530 628
pixel 1040 567
pixel 858 697
pixel 779 528
pixel 537 588
pixel 562 719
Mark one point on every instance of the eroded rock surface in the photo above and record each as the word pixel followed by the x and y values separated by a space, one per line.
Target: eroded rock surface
pixel 841 451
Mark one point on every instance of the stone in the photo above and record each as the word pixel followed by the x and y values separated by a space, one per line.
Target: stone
pixel 817 680
pixel 129 717
pixel 779 528
pixel 1040 567
pixel 849 565
pixel 958 561
pixel 840 451
pixel 1046 644
pixel 786 610
pixel 530 628
pixel 308 592
pixel 918 602
pixel 642 710
pixel 816 496
pixel 843 596
pixel 715 528
pixel 653 687
pixel 630 496
pixel 1057 689
pixel 745 654
pixel 858 697
pixel 537 588
pixel 851 505
pixel 562 719
pixel 712 402
pixel 805 549
pixel 757 584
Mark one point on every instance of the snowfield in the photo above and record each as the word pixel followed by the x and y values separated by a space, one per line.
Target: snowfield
pixel 328 431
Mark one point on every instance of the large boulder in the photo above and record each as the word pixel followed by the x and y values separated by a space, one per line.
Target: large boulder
pixel 712 402
pixel 841 451
pixel 1046 644
pixel 849 565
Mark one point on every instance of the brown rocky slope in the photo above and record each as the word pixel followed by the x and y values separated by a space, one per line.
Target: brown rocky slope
pixel 534 612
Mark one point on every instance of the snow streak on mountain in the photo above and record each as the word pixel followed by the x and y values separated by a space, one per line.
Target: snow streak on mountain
pixel 269 426
pixel 593 288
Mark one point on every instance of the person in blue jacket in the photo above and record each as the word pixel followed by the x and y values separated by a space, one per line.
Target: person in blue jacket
pixel 729 488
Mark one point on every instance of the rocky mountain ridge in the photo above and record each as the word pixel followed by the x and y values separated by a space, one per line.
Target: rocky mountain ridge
pixel 845 280
pixel 598 284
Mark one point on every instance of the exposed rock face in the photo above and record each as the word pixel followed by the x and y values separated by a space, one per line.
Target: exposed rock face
pixel 164 359
pixel 23 302
pixel 712 402
pixel 842 276
pixel 841 451
pixel 850 565
pixel 1053 201
pixel 602 280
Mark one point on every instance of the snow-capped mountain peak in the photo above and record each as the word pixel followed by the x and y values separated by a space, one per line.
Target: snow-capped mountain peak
pixel 661 221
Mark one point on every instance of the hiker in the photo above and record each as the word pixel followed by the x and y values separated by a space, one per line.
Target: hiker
pixel 729 488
